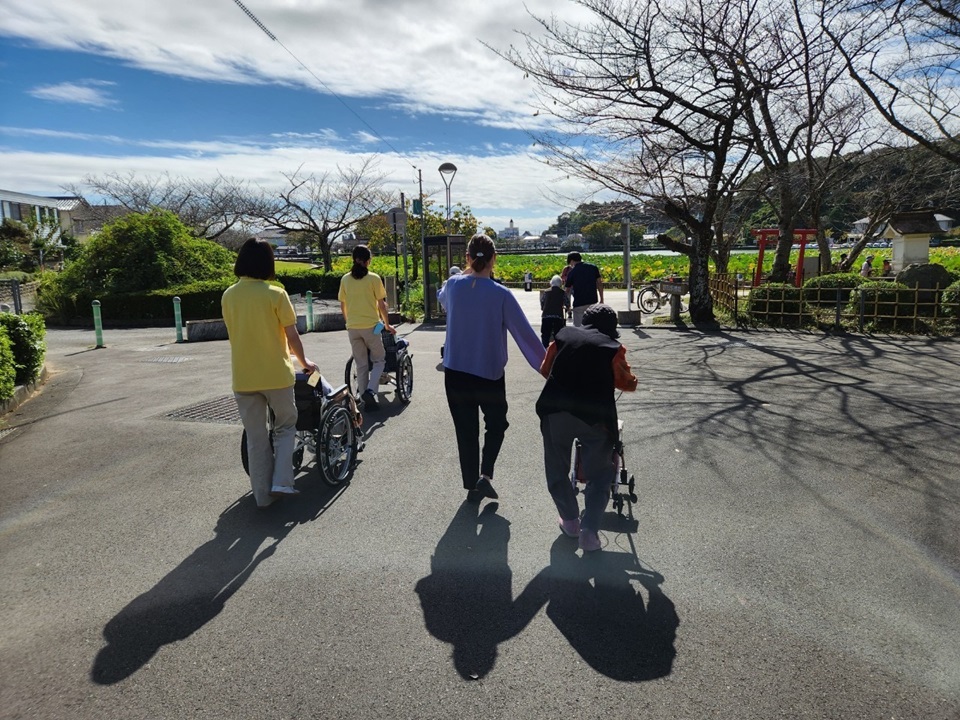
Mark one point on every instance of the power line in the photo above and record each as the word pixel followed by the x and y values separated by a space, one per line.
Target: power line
pixel 353 112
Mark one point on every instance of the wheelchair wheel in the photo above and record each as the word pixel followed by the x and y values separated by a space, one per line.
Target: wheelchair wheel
pixel 350 378
pixel 336 445
pixel 405 379
pixel 649 300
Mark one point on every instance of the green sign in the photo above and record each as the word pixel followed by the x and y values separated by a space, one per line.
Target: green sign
pixel 418 207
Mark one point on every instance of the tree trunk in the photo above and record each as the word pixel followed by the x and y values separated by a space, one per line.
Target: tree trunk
pixel 701 303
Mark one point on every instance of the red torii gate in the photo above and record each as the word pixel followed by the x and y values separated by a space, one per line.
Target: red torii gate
pixel 770 236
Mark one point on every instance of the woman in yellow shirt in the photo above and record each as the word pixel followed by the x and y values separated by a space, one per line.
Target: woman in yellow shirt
pixel 363 301
pixel 262 327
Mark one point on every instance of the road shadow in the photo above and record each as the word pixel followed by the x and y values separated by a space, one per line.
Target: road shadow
pixel 467 599
pixel 594 600
pixel 596 603
pixel 195 592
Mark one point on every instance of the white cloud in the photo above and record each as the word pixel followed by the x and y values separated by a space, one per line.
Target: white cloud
pixel 422 53
pixel 83 92
pixel 513 185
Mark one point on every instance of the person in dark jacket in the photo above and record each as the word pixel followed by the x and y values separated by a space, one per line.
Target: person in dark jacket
pixel 554 303
pixel 583 366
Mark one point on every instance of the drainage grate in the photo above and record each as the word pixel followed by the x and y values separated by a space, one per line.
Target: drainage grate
pixel 166 359
pixel 7 431
pixel 219 410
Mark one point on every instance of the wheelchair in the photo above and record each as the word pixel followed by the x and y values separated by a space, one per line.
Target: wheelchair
pixel 398 370
pixel 328 425
pixel 623 489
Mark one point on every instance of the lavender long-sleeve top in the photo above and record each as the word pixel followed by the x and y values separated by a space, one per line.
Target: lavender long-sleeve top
pixel 479 314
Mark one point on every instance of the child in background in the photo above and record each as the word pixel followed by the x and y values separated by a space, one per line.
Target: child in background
pixel 583 366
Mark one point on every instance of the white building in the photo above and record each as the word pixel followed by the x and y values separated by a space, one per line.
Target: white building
pixel 509 233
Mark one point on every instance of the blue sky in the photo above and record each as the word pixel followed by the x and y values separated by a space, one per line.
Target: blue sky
pixel 196 89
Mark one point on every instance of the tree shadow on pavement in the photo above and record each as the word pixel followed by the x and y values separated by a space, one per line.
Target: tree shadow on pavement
pixel 195 592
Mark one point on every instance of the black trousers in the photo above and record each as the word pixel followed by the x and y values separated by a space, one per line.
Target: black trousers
pixel 467 396
pixel 550 326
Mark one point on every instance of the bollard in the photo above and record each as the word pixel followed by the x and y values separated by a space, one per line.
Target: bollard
pixel 98 323
pixel 309 311
pixel 178 318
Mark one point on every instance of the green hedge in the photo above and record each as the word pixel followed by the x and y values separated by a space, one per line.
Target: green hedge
pixel 198 300
pixel 321 284
pixel 777 304
pixel 950 301
pixel 822 290
pixel 8 373
pixel 888 305
pixel 26 335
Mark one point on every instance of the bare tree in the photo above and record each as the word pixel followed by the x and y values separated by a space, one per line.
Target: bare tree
pixel 646 109
pixel 324 206
pixel 209 207
pixel 799 112
pixel 903 56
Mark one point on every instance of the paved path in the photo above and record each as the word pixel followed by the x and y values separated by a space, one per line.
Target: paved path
pixel 794 552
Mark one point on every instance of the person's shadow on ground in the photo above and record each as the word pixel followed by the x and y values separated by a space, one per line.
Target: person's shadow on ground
pixel 195 592
pixel 467 599
pixel 595 605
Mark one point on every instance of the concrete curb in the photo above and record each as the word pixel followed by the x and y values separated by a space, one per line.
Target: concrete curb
pixel 22 392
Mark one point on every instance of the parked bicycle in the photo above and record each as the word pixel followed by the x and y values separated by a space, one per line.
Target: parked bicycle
pixel 651 298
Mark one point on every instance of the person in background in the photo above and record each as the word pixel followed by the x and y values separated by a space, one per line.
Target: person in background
pixel 454 270
pixel 262 327
pixel 887 269
pixel 866 270
pixel 584 284
pixel 363 302
pixel 583 366
pixel 554 304
pixel 480 312
pixel 841 263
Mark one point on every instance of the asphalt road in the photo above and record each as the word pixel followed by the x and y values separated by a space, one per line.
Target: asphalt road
pixel 794 552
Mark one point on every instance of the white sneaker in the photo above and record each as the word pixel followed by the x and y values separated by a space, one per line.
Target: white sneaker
pixel 281 490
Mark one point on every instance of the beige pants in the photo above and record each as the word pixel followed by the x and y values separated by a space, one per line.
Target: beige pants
pixel 362 340
pixel 269 466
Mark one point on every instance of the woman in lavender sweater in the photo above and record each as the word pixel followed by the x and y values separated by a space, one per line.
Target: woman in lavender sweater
pixel 479 314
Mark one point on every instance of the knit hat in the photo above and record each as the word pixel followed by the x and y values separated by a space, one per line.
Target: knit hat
pixel 454 270
pixel 603 318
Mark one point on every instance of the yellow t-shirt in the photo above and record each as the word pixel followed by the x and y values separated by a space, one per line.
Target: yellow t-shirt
pixel 360 298
pixel 256 314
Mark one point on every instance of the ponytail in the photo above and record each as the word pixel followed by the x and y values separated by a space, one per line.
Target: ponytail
pixel 361 253
pixel 480 252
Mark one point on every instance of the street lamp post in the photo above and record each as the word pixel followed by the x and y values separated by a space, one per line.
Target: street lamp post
pixel 447 171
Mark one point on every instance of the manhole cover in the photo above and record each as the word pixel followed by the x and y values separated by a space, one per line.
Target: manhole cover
pixel 167 359
pixel 220 410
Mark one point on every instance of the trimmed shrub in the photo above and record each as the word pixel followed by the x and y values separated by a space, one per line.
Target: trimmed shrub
pixel 777 304
pixel 26 334
pixel 887 305
pixel 141 252
pixel 8 372
pixel 299 280
pixel 822 290
pixel 950 302
pixel 198 301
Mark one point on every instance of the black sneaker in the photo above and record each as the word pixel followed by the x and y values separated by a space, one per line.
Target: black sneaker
pixel 485 489
pixel 370 400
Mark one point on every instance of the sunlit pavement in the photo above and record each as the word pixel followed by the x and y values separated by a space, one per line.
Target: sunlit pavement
pixel 793 551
